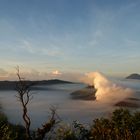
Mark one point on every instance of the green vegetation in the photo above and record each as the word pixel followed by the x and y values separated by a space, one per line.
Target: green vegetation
pixel 122 125
pixel 9 131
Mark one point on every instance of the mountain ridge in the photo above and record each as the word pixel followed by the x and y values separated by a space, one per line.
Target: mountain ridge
pixel 134 76
pixel 11 85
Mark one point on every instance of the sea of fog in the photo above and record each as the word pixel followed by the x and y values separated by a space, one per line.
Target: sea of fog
pixel 58 96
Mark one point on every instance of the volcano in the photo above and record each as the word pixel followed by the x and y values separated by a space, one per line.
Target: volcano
pixel 87 93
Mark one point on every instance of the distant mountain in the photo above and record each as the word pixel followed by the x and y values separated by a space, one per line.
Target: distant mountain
pixel 134 76
pixel 50 82
pixel 11 85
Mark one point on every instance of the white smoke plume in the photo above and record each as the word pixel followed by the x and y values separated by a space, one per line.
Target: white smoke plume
pixel 106 90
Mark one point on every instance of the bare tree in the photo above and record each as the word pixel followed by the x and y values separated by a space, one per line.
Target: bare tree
pixel 24 97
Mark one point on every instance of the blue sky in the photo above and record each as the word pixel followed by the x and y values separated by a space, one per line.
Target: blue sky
pixel 69 37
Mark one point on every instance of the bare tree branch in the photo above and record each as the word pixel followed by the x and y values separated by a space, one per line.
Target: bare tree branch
pixel 24 97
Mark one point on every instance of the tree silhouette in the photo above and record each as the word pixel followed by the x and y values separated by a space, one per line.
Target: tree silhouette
pixel 24 97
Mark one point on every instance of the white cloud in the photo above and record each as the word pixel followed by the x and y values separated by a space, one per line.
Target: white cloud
pixel 28 46
pixel 33 74
pixel 3 72
pixel 131 43
pixel 56 72
pixel 72 76
pixel 127 7
pixel 48 48
pixel 96 38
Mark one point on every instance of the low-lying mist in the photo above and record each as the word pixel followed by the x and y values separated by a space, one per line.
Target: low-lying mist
pixel 108 93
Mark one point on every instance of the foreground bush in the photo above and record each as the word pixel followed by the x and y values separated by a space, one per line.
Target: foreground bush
pixel 9 131
pixel 122 125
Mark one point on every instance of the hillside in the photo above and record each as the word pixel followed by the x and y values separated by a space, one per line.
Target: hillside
pixel 11 85
pixel 134 76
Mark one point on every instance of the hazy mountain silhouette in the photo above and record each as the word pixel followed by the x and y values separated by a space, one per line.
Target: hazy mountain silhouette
pixel 11 85
pixel 134 76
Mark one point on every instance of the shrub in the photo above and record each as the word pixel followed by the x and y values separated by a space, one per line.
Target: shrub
pixel 3 119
